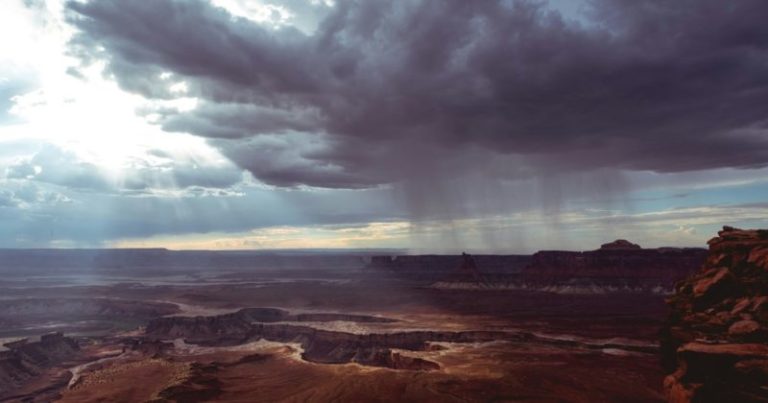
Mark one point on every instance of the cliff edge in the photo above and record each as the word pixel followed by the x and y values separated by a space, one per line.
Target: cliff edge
pixel 715 342
pixel 24 360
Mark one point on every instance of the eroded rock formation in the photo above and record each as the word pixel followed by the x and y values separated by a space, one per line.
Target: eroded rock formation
pixel 24 359
pixel 322 346
pixel 336 347
pixel 467 271
pixel 716 340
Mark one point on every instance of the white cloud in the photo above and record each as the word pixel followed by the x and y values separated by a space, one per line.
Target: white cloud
pixel 261 12
pixel 83 130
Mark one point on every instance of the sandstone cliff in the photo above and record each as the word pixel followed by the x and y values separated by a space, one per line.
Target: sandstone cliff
pixel 715 343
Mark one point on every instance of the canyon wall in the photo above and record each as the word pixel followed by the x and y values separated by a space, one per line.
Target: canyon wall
pixel 321 346
pixel 24 359
pixel 387 349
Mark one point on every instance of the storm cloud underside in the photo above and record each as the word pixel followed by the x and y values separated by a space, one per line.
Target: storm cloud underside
pixel 441 125
pixel 392 92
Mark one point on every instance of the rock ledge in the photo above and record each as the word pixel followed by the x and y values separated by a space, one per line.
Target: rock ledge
pixel 715 343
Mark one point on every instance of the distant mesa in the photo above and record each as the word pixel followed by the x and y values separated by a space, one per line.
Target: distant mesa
pixel 618 266
pixel 454 268
pixel 620 244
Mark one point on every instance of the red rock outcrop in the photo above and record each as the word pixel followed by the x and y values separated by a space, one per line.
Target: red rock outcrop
pixel 715 343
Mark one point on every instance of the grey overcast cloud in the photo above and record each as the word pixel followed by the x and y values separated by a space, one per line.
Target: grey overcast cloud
pixel 434 125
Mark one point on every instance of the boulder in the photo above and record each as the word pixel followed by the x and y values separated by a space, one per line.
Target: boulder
pixel 759 257
pixel 743 327
pixel 720 278
pixel 743 304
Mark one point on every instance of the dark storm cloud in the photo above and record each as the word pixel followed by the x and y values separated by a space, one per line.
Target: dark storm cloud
pixel 237 120
pixel 290 160
pixel 387 92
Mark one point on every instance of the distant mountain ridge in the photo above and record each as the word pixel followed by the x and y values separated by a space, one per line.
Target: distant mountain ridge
pixel 618 266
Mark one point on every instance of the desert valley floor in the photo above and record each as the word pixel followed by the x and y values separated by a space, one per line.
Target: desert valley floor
pixel 324 333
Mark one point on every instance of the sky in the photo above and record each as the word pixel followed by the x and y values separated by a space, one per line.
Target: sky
pixel 428 125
